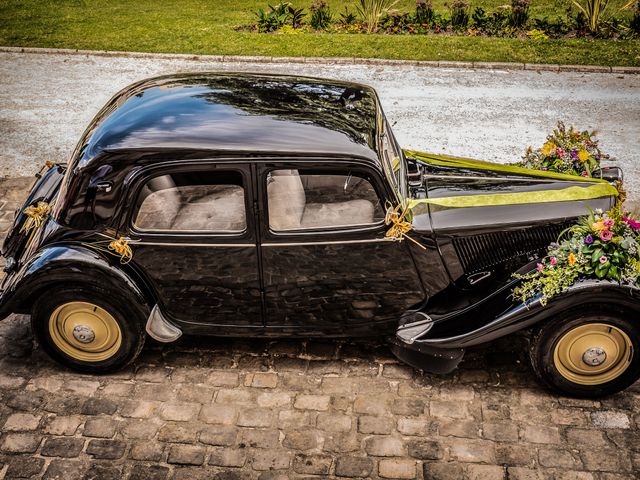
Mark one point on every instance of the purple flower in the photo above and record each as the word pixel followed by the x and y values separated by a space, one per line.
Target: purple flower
pixel 603 259
pixel 598 157
pixel 574 154
pixel 588 239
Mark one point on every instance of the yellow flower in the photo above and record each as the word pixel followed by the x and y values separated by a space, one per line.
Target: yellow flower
pixel 572 259
pixel 598 226
pixel 547 148
pixel 583 155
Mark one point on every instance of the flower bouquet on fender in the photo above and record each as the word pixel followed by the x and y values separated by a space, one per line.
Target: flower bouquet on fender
pixel 566 151
pixel 601 245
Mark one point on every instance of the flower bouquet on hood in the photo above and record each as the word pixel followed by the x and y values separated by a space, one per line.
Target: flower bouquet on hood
pixel 601 245
pixel 566 151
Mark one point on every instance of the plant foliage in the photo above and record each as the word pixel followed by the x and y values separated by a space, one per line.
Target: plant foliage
pixel 321 15
pixel 372 12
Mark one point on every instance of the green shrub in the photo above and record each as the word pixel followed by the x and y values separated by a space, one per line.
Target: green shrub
pixel 519 13
pixel 295 16
pixel 347 18
pixel 459 14
pixel 273 19
pixel 634 23
pixel 372 12
pixel 594 11
pixel 321 15
pixel 424 12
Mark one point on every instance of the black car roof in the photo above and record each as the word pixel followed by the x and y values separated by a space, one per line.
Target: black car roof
pixel 236 113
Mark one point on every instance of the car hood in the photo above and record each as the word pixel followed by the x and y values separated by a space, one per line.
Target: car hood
pixel 471 195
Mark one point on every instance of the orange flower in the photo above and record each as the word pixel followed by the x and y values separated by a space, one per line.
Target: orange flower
pixel 572 259
pixel 598 226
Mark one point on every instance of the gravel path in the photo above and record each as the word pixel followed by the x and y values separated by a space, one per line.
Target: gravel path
pixel 46 100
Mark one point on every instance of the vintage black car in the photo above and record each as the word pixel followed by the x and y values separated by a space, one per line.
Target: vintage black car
pixel 252 205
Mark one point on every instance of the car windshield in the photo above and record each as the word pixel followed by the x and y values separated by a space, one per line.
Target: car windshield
pixel 392 160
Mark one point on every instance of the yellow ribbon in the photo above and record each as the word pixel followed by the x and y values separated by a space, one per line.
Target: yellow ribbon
pixel 36 215
pixel 396 217
pixel 460 162
pixel 573 193
pixel 118 247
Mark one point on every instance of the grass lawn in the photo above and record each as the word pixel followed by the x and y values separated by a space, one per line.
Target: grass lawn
pixel 206 27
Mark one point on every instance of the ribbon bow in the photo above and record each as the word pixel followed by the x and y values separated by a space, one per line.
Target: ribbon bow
pixel 120 247
pixel 396 217
pixel 36 215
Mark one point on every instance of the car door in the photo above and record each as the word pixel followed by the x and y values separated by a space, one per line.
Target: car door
pixel 326 264
pixel 194 239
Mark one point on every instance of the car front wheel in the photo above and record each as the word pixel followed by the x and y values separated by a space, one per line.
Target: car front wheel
pixel 88 330
pixel 591 353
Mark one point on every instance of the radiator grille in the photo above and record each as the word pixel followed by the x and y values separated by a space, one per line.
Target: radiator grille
pixel 481 252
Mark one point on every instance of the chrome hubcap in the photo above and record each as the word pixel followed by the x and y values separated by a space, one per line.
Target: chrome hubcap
pixel 84 334
pixel 594 356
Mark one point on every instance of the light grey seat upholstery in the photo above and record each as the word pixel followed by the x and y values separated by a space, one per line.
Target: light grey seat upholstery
pixel 288 209
pixel 161 204
pixel 220 211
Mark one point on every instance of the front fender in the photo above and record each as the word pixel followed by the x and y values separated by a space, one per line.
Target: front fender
pixel 527 314
pixel 67 265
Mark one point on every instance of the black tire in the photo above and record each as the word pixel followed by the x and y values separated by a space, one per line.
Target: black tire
pixel 130 319
pixel 547 337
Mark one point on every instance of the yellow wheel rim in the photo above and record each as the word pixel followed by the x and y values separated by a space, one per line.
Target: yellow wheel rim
pixel 85 331
pixel 593 354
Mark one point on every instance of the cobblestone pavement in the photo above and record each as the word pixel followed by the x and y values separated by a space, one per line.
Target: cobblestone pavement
pixel 235 409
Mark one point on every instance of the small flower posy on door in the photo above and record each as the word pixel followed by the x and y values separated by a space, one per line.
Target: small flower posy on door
pixel 603 245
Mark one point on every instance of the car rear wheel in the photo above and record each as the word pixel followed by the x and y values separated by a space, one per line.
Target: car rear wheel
pixel 88 329
pixel 591 353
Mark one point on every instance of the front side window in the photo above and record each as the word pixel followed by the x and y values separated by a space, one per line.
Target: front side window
pixel 192 202
pixel 301 200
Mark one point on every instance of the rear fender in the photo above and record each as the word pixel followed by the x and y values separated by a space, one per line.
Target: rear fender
pixel 69 265
pixel 526 315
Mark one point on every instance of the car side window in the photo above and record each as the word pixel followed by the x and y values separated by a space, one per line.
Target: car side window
pixel 192 202
pixel 301 200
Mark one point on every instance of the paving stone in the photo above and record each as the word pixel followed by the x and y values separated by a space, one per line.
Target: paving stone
pixel 375 425
pixel 425 449
pixel 147 451
pixel 186 455
pixel 610 419
pixel 334 422
pixel 448 409
pixel 106 449
pixel 604 460
pixel 301 439
pixel 20 422
pixel 262 380
pixel 220 435
pixel 500 432
pixel 221 414
pixel 102 472
pixel 228 457
pixel 270 460
pixel 63 425
pixel 397 468
pixel 274 399
pixel 235 397
pixel 149 472
pixel 472 451
pixel 384 446
pixel 312 402
pixel 139 409
pixel 413 426
pixel 100 427
pixel 312 464
pixel 223 379
pixel 20 443
pixel 177 433
pixel 62 447
pixel 358 467
pixel 442 471
pixel 24 467
pixel 259 438
pixel 98 406
pixel 139 428
pixel 179 412
pixel 196 394
pixel 408 406
pixel 255 417
pixel 64 470
pixel 459 428
pixel 541 434
pixel 486 472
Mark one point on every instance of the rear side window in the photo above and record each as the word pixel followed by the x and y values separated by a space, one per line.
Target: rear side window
pixel 303 200
pixel 192 202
